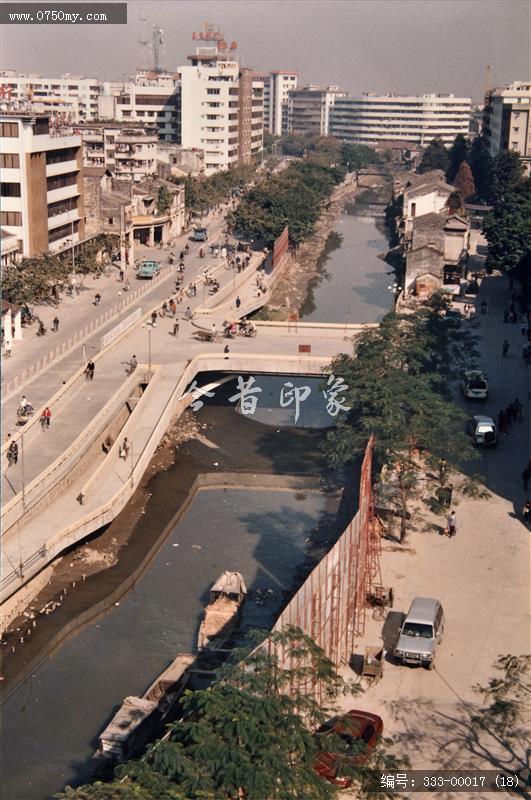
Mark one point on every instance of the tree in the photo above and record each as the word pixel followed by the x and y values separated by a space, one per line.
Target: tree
pixel 480 162
pixel 507 173
pixel 508 231
pixel 398 390
pixel 435 156
pixel 456 155
pixel 357 156
pixel 464 181
pixel 164 199
pixel 249 735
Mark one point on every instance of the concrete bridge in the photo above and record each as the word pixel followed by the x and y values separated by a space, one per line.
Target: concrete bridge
pixel 71 488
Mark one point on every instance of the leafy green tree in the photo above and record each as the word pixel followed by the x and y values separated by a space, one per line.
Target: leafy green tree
pixel 249 735
pixel 398 390
pixel 457 153
pixel 480 162
pixel 464 181
pixel 507 173
pixel 164 199
pixel 435 156
pixel 357 156
pixel 508 231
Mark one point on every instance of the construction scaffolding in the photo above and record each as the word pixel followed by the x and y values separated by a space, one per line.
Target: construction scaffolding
pixel 331 604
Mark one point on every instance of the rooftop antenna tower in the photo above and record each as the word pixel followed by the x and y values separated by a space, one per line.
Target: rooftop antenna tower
pixel 157 47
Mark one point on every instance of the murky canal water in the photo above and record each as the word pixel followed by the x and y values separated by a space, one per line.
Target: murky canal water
pixel 353 281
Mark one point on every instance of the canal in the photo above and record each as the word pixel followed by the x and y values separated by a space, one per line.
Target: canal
pixel 274 536
pixel 352 284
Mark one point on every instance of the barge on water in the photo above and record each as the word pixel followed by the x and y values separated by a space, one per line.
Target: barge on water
pixel 221 614
pixel 139 718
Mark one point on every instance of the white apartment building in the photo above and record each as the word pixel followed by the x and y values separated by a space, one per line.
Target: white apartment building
pixel 128 151
pixel 221 105
pixel 150 97
pixel 277 85
pixel 41 183
pixel 416 120
pixel 74 97
pixel 507 121
pixel 309 109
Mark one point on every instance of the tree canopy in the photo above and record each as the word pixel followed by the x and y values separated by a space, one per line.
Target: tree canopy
pixel 508 230
pixel 435 156
pixel 506 174
pixel 202 194
pixel 457 153
pixel 464 181
pixel 398 390
pixel 245 736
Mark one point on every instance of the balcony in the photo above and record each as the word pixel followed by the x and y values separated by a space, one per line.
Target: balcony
pixel 63 193
pixel 59 169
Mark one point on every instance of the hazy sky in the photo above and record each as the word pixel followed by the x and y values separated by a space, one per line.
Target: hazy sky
pixel 402 46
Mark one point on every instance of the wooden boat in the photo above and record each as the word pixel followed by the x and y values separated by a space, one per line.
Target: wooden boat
pixel 139 718
pixel 221 614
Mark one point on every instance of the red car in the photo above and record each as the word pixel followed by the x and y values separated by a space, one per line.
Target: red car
pixel 359 732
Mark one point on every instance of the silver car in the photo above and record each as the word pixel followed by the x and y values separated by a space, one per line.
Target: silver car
pixel 482 430
pixel 421 632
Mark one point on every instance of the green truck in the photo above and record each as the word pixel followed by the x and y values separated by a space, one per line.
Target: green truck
pixel 148 269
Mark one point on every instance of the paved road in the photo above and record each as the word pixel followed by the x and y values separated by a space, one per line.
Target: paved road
pixel 481 576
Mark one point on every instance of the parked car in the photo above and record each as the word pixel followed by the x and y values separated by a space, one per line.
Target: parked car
pixel 200 234
pixel 421 632
pixel 482 431
pixel 453 316
pixel 352 737
pixel 474 385
pixel 148 269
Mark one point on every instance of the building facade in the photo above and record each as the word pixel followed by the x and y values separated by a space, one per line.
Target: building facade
pixel 128 151
pixel 417 119
pixel 73 96
pixel 221 104
pixel 507 121
pixel 41 183
pixel 149 97
pixel 309 109
pixel 277 86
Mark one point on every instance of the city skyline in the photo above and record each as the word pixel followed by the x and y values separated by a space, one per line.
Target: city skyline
pixel 356 45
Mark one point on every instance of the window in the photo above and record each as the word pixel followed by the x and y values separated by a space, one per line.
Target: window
pixel 156 100
pixel 62 231
pixel 10 189
pixel 110 220
pixel 213 91
pixel 413 209
pixel 58 156
pixel 124 100
pixel 9 160
pixel 9 129
pixel 11 218
pixel 62 206
pixel 41 127
pixel 60 181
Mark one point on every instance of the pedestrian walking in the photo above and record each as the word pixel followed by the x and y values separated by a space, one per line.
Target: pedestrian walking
pixel 175 329
pixel 55 324
pixel 226 350
pixel 132 365
pixel 505 348
pixel 526 513
pixel 525 478
pixel 153 319
pixel 124 449
pixel 46 417
pixel 443 471
pixel 238 302
pixel 523 328
pixel 89 371
pixel 12 451
pixel 452 524
pixel 122 275
pixel 483 306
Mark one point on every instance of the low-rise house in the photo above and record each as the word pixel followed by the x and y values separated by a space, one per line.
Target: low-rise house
pixel 152 224
pixel 429 197
pixel 109 209
pixel 437 252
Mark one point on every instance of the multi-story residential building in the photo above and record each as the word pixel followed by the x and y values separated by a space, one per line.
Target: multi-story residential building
pixel 71 95
pixel 128 151
pixel 277 86
pixel 150 97
pixel 41 183
pixel 507 121
pixel 221 104
pixel 417 119
pixel 309 109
